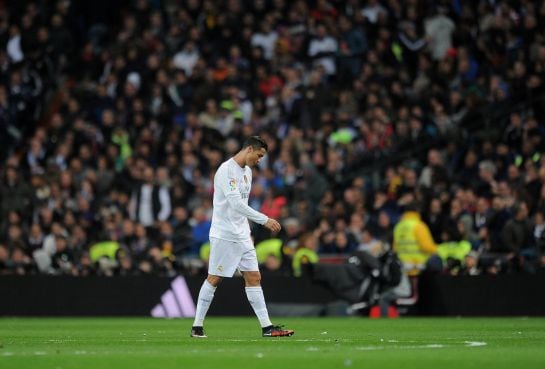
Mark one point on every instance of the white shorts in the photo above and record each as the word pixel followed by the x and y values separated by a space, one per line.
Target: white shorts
pixel 227 256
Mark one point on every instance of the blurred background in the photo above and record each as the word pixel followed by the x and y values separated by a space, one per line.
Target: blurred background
pixel 411 126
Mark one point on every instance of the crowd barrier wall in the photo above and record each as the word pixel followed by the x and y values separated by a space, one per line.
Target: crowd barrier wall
pixel 504 295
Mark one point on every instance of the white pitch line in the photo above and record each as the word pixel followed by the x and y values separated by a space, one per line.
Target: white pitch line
pixel 370 348
pixel 417 347
pixel 434 345
pixel 285 340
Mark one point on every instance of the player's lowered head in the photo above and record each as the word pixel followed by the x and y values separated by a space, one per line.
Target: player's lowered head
pixel 253 149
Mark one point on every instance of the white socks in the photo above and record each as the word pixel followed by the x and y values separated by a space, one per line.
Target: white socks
pixel 257 300
pixel 255 297
pixel 206 295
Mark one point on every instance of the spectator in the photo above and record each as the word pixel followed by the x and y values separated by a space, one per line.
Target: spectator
pixel 140 243
pixel 181 230
pixel 517 233
pixel 369 243
pixel 373 10
pixel 471 264
pixel 486 185
pixel 352 48
pixel 434 173
pixel 516 240
pixel 439 30
pixel 436 219
pixel 62 260
pixel 306 253
pixel 187 58
pixel 150 202
pixel 340 243
pixel 35 237
pixel 322 49
pixel 481 217
pixel 21 262
pixel 200 227
pixel 15 194
pixel 265 38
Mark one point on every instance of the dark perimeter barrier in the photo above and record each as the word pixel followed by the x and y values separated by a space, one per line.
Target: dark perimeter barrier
pixel 484 295
pixel 519 295
pixel 150 295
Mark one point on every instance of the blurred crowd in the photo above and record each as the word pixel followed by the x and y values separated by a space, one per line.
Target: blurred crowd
pixel 114 116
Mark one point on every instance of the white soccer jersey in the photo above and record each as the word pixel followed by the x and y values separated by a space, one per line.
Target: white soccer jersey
pixel 232 185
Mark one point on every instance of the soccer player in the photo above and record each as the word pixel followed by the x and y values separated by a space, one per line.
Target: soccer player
pixel 231 246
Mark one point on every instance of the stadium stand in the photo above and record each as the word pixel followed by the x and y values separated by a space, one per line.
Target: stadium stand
pixel 366 106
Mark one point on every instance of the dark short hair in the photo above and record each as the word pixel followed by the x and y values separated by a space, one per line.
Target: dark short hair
pixel 517 206
pixel 256 142
pixel 413 206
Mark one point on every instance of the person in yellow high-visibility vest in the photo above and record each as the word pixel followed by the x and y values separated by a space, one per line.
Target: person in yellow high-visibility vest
pixel 414 245
pixel 413 241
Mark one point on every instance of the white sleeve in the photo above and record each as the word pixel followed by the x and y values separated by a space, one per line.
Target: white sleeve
pixel 228 185
pixel 235 201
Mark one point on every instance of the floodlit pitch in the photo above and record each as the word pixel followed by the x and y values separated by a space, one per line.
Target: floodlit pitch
pixel 236 343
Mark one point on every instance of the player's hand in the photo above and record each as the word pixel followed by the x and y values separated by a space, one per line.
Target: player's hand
pixel 272 225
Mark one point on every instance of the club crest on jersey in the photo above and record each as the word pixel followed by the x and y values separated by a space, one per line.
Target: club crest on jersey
pixel 232 184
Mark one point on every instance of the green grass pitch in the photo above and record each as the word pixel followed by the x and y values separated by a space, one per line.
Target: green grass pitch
pixel 435 343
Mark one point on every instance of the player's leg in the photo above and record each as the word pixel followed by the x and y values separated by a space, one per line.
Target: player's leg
pixel 224 257
pixel 254 292
pixel 206 295
pixel 252 279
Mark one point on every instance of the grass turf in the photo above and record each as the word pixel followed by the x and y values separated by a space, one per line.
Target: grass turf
pixel 442 343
